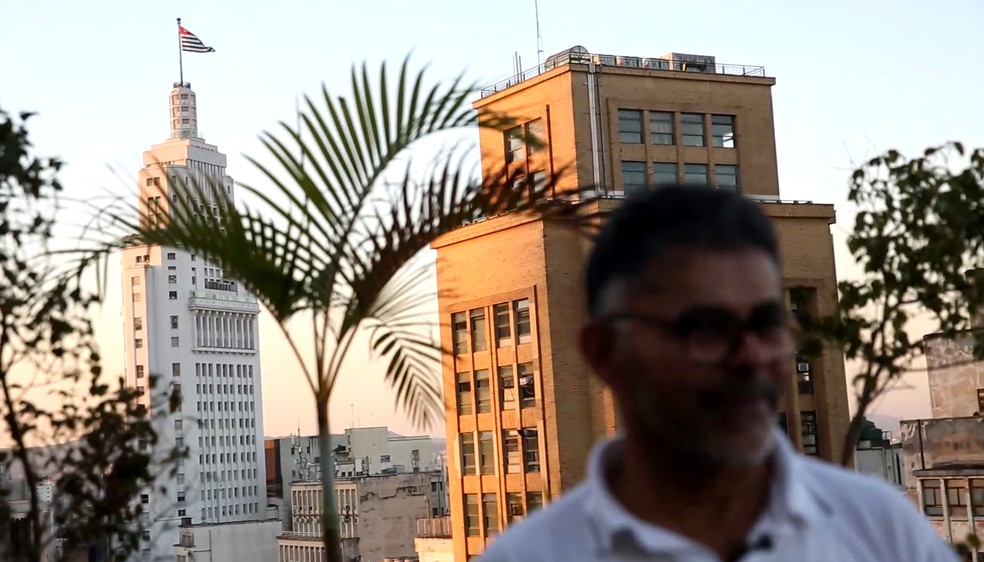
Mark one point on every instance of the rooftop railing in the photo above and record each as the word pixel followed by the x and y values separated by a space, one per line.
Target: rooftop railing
pixel 643 63
pixel 434 527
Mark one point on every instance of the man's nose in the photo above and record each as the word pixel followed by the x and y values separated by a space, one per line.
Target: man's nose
pixel 750 349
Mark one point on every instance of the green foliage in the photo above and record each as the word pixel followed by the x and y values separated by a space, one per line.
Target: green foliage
pixel 46 332
pixel 919 238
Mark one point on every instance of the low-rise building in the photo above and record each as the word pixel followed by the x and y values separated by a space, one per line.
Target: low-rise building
pixel 361 451
pixel 377 517
pixel 943 457
pixel 433 541
pixel 237 541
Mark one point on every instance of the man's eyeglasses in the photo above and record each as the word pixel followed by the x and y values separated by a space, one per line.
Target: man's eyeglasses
pixel 711 335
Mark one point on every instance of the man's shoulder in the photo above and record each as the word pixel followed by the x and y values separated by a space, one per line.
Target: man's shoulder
pixel 843 484
pixel 559 519
pixel 868 499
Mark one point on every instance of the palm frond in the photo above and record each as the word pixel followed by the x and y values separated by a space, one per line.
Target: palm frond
pixel 399 333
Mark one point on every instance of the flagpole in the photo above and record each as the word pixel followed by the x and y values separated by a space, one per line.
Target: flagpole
pixel 181 72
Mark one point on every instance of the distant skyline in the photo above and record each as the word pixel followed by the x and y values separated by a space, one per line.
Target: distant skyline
pixel 853 79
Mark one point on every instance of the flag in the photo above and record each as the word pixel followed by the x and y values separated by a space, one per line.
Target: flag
pixel 191 43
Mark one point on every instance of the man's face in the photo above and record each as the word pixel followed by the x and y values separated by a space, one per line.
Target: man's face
pixel 696 350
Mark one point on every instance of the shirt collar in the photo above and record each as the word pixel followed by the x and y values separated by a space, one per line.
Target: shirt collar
pixel 792 501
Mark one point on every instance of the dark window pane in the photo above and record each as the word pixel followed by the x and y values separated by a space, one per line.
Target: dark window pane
pixel 660 127
pixel 630 126
pixel 692 129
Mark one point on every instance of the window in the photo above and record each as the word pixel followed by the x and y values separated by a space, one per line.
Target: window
pixel 630 126
pixel 727 176
pixel 140 371
pixel 723 130
pixel 692 129
pixel 633 177
pixel 173 295
pixel 490 516
pixel 471 515
pixel 174 322
pixel 384 458
pixel 172 278
pixel 174 341
pixel 804 382
pixel 479 334
pixel 486 452
pixel 808 419
pixel 483 392
pixel 503 329
pixel 534 501
pixel 515 147
pixel 977 496
pixel 695 173
pixel 514 508
pixel 138 343
pixel 507 388
pixel 521 316
pixel 459 333
pixel 144 498
pixel 464 394
pixel 956 497
pixel 135 280
pixel 513 453
pixel 531 450
pixel 170 255
pixel 136 297
pixel 664 172
pixel 660 127
pixel 932 498
pixel 138 323
pixel 535 129
pixel 527 391
pixel 980 399
pixel 539 182
pixel 178 424
pixel 175 369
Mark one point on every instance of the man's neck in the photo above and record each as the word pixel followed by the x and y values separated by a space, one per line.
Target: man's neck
pixel 713 506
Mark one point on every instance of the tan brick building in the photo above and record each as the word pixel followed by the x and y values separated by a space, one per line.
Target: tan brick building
pixel 522 408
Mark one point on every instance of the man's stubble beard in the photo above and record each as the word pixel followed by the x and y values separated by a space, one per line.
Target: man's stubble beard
pixel 691 443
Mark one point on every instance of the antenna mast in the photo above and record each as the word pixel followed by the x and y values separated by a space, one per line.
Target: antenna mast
pixel 539 36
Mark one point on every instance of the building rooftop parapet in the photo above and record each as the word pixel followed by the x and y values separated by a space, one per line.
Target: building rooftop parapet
pixel 434 528
pixel 670 62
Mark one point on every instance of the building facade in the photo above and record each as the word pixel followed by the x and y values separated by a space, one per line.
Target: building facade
pixel 522 410
pixel 433 542
pixel 196 332
pixel 377 517
pixel 943 457
pixel 240 541
pixel 360 451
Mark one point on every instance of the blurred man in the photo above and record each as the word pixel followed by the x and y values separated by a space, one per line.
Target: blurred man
pixel 688 327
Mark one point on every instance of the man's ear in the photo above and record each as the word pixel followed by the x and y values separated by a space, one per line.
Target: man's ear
pixel 597 342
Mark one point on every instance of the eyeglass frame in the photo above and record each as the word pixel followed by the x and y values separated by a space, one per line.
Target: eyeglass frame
pixel 745 325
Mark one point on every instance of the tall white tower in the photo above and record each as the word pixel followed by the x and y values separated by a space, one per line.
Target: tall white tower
pixel 195 330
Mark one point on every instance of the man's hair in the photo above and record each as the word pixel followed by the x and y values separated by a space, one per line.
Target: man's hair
pixel 673 216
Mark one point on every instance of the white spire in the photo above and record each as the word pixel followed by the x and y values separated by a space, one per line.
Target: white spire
pixel 184 112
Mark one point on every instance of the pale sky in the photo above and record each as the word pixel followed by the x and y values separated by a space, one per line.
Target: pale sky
pixel 853 79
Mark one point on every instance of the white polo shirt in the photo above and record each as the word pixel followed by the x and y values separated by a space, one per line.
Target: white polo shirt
pixel 816 512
